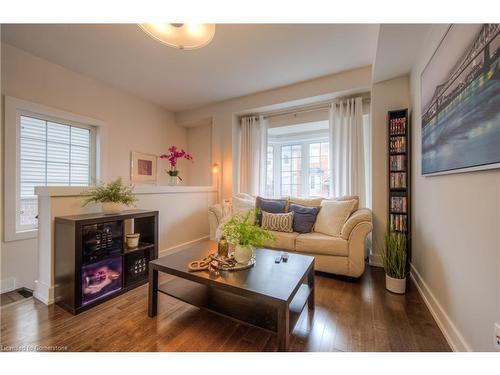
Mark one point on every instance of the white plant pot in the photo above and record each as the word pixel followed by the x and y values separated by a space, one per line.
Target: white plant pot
pixel 395 285
pixel 242 253
pixel 111 208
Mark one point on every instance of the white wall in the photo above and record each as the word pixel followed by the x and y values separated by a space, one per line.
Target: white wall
pixel 456 243
pixel 386 96
pixel 199 145
pixel 131 124
pixel 224 113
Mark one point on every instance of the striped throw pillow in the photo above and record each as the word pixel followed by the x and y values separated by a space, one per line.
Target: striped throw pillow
pixel 277 222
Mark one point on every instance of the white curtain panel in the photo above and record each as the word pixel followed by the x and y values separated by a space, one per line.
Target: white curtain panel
pixel 253 138
pixel 347 162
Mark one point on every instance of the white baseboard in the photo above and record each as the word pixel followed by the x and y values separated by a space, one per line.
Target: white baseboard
pixel 8 285
pixel 450 331
pixel 44 293
pixel 179 247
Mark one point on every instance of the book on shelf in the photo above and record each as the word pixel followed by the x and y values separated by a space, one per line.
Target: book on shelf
pixel 398 222
pixel 399 204
pixel 397 144
pixel 397 125
pixel 398 162
pixel 398 180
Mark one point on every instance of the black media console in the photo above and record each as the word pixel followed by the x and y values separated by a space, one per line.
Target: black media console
pixel 92 260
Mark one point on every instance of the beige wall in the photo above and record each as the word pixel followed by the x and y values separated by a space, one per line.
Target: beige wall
pixel 224 113
pixel 131 124
pixel 386 96
pixel 199 145
pixel 456 244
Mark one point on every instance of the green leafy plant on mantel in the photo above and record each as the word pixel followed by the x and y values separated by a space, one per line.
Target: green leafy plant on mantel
pixel 394 255
pixel 242 230
pixel 114 191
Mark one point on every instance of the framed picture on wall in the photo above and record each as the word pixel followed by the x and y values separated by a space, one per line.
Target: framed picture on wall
pixel 461 101
pixel 143 167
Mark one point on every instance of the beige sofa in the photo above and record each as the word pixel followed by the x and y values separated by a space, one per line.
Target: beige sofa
pixel 342 255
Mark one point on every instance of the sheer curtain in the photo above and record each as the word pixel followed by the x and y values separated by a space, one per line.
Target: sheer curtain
pixel 253 141
pixel 347 159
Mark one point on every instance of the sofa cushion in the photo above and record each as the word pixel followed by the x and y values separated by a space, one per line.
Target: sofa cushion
pixel 308 202
pixel 273 206
pixel 319 243
pixel 277 222
pixel 303 218
pixel 332 216
pixel 349 198
pixel 242 205
pixel 283 240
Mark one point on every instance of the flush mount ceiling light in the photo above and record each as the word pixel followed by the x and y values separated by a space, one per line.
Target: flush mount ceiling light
pixel 181 35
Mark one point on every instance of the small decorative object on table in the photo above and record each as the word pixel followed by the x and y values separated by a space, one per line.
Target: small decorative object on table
pixel 112 195
pixel 172 156
pixel 223 248
pixel 241 231
pixel 133 240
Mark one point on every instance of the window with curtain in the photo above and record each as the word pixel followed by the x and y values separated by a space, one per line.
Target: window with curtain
pixel 297 160
pixel 51 154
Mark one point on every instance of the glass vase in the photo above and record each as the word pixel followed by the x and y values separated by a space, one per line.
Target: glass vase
pixel 173 178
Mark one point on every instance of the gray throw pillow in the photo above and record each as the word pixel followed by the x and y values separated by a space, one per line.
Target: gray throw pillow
pixel 273 206
pixel 303 218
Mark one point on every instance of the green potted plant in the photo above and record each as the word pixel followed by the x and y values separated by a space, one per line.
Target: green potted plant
pixel 113 196
pixel 241 232
pixel 394 259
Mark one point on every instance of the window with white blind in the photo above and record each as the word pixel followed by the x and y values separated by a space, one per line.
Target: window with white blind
pixel 51 154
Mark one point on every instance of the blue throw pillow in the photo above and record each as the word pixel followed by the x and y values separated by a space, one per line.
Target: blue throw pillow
pixel 303 217
pixel 273 206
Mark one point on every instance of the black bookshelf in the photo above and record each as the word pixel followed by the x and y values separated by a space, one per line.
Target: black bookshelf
pixel 399 172
pixel 92 261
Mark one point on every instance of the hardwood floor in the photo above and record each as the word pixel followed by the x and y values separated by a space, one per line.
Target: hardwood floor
pixel 349 316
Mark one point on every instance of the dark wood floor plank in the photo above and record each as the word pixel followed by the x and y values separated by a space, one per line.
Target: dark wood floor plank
pixel 350 315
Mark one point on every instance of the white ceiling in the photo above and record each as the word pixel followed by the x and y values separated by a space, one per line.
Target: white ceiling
pixel 397 49
pixel 242 59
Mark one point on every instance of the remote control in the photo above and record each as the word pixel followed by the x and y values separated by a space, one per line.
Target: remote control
pixel 277 260
pixel 284 257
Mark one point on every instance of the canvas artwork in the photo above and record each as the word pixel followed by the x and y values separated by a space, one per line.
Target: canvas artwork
pixel 143 167
pixel 461 101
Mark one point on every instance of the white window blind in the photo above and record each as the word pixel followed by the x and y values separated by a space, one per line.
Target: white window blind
pixel 51 154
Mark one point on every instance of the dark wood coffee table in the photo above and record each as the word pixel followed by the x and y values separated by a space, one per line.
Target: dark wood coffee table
pixel 269 295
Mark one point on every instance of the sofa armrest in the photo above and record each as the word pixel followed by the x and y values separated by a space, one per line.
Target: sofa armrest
pixel 357 246
pixel 360 216
pixel 214 219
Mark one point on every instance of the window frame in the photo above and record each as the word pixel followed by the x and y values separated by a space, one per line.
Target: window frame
pixel 305 159
pixel 14 109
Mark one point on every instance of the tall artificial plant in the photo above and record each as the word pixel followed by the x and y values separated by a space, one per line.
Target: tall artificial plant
pixel 394 255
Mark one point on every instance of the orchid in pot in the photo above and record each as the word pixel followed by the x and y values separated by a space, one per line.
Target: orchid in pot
pixel 242 232
pixel 173 155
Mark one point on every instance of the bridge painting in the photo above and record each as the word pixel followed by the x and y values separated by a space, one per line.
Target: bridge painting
pixel 461 101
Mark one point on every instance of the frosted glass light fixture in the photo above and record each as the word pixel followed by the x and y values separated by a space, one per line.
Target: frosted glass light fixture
pixel 181 35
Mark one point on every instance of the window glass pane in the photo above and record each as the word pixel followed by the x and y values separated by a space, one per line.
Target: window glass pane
pixel 80 137
pixel 270 172
pixel 57 174
pixel 32 171
pixel 318 169
pixel 57 133
pixel 80 155
pixel 33 149
pixel 33 128
pixel 58 152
